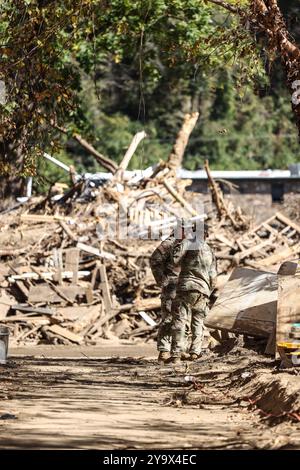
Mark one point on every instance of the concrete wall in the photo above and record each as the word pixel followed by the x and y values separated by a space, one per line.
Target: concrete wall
pixel 275 187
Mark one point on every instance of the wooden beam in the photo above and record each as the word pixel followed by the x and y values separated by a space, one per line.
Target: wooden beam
pixel 72 263
pixel 131 149
pixel 179 198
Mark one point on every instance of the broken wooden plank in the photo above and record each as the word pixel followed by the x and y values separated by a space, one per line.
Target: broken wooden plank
pixel 58 264
pixel 88 316
pixel 62 293
pixel 147 304
pixel 279 257
pixel 22 288
pixel 44 218
pixel 95 251
pixel 46 275
pixel 30 310
pixel 104 286
pixel 68 231
pixel 72 263
pixel 244 254
pixel 89 295
pixel 25 334
pixel 26 319
pixel 221 238
pixel 44 293
pixel 139 136
pixel 179 198
pixel 288 221
pixel 59 330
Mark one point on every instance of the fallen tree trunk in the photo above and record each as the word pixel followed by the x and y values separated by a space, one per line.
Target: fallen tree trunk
pixel 176 156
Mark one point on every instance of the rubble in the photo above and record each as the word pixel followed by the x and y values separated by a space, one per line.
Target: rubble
pixel 75 267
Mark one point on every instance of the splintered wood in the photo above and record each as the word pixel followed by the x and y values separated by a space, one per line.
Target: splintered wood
pixel 65 278
pixel 265 246
pixel 75 269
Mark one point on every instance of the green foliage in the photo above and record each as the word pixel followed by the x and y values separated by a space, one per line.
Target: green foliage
pixel 108 69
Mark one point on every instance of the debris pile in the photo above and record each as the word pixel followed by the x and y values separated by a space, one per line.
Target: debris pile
pixel 75 276
pixel 264 246
pixel 75 267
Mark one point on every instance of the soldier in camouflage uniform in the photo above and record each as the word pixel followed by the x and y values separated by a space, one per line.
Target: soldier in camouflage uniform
pixel 166 276
pixel 195 284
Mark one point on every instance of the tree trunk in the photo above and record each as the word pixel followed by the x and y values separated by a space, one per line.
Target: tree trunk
pixel 176 156
pixel 11 167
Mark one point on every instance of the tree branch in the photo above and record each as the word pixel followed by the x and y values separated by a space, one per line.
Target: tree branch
pixel 106 162
pixel 227 6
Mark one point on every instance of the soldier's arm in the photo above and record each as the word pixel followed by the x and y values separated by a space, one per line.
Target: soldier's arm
pixel 213 273
pixel 178 252
pixel 157 266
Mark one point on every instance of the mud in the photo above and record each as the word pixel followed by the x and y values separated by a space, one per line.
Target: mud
pixel 240 400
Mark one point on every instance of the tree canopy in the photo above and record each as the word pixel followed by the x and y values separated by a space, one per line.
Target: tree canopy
pixel 107 69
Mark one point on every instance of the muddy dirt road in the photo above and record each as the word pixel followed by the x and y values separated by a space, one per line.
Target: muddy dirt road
pixel 68 398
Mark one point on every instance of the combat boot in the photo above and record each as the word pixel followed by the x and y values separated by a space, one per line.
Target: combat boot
pixel 185 356
pixel 175 360
pixel 194 357
pixel 163 356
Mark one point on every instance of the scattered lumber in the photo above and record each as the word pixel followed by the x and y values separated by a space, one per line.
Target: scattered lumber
pixel 48 294
pixel 58 330
pixel 75 269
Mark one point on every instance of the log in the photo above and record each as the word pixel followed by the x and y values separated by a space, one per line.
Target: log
pixel 217 196
pixel 131 149
pixel 176 156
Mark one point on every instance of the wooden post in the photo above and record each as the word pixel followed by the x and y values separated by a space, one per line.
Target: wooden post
pixel 72 263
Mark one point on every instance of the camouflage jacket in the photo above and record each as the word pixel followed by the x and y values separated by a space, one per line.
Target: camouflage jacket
pixel 162 264
pixel 198 266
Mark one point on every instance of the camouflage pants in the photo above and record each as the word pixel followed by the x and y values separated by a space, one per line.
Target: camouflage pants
pixel 164 335
pixel 188 306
